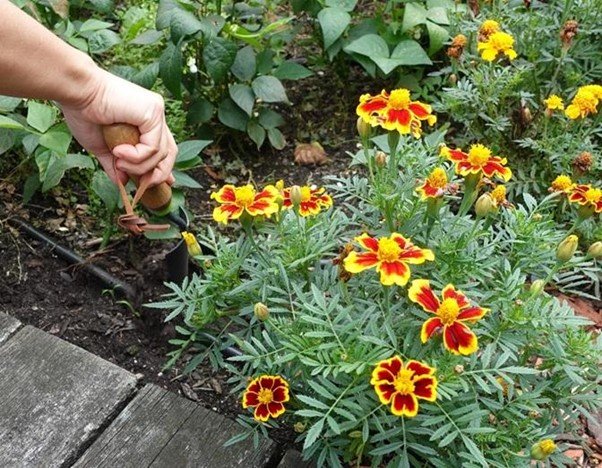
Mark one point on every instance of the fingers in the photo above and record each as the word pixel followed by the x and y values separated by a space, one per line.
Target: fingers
pixel 162 172
pixel 106 161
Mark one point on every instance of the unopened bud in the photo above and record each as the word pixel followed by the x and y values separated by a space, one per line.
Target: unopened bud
pixel 595 250
pixel 484 205
pixel 537 286
pixel 453 79
pixel 261 311
pixel 299 427
pixel 566 249
pixel 363 128
pixel 355 434
pixel 380 159
pixel 543 449
pixel 459 368
pixel 296 196
pixel 526 115
pixel 194 249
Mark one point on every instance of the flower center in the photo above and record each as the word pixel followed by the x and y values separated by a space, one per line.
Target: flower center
pixel 265 396
pixel 501 41
pixel 593 195
pixel 448 311
pixel 305 194
pixel 399 99
pixel 562 182
pixel 403 382
pixel 499 194
pixel 478 155
pixel 438 178
pixel 245 195
pixel 388 250
pixel 585 100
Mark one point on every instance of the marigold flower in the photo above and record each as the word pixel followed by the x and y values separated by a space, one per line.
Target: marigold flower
pixel 554 102
pixel 595 250
pixel 497 43
pixel 562 183
pixel 395 111
pixel 434 185
pixel 267 394
pixel 402 385
pixel 477 160
pixel 498 195
pixel 234 201
pixel 390 255
pixel 588 196
pixel 194 249
pixel 585 102
pixel 487 29
pixel 543 449
pixel 313 200
pixel 451 314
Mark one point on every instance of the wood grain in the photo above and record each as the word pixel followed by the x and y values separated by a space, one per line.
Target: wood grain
pixel 8 326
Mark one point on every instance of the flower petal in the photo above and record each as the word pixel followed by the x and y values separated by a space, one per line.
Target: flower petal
pixel 385 392
pixel 275 409
pixel 368 242
pixel 386 370
pixel 449 292
pixel 404 405
pixel 280 395
pixel 226 194
pixel 421 293
pixel 492 168
pixel 261 412
pixel 420 110
pixel 472 313
pixel 356 262
pixel 459 339
pixel 415 255
pixel 393 273
pixel 250 399
pixel 224 213
pixel 426 388
pixel 419 368
pixel 429 327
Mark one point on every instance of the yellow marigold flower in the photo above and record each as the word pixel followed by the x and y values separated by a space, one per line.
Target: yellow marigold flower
pixel 395 111
pixel 585 102
pixel 310 200
pixel 401 384
pixel 488 28
pixel 497 43
pixel 543 449
pixel 498 195
pixel 554 102
pixel 562 183
pixel 267 394
pixel 235 201
pixel 434 185
pixel 194 249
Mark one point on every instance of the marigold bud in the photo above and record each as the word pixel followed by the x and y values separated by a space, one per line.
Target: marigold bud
pixel 453 79
pixel 484 205
pixel 261 311
pixel 457 46
pixel 568 32
pixel 537 286
pixel 355 434
pixel 299 427
pixel 194 249
pixel 566 249
pixel 543 449
pixel 380 159
pixel 595 250
pixel 363 128
pixel 459 368
pixel 296 195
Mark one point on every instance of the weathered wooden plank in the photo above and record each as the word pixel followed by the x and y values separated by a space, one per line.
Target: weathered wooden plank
pixel 55 398
pixel 8 326
pixel 294 459
pixel 160 429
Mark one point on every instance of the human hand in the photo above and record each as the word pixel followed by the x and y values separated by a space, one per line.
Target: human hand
pixel 108 99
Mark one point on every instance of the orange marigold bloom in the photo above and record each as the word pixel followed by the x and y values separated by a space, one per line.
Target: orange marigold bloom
pixel 477 160
pixel 390 255
pixel 395 111
pixel 313 200
pixel 267 394
pixel 451 314
pixel 434 185
pixel 234 201
pixel 562 183
pixel 402 385
pixel 588 196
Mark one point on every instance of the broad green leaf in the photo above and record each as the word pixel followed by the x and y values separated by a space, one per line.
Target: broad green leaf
pixel 438 15
pixel 164 12
pixel 269 89
pixel 200 112
pixel 103 6
pixel 347 5
pixel 413 15
pixel 147 37
pixel 190 149
pixel 57 141
pixel 256 132
pixel 78 160
pixel 184 180
pixel 265 61
pixel 147 76
pixel 30 143
pixel 409 52
pixel 170 69
pixel 106 190
pixel 218 57
pixel 366 63
pixel 269 118
pixel 94 25
pixel 243 96
pixel 5 122
pixel 7 139
pixel 51 169
pixel 9 103
pixel 30 187
pixel 276 138
pixel 333 22
pixel 103 40
pixel 437 37
pixel 232 116
pixel 290 70
pixel 245 64
pixel 40 116
pixel 370 45
pixel 183 23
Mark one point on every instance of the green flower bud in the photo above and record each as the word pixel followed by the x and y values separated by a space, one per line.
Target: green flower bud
pixel 484 205
pixel 363 128
pixel 194 249
pixel 595 250
pixel 543 449
pixel 380 159
pixel 296 196
pixel 537 286
pixel 261 311
pixel 566 249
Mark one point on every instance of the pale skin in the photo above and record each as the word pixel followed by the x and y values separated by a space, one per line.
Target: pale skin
pixel 34 63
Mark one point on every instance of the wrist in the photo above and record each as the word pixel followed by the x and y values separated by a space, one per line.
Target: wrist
pixel 81 79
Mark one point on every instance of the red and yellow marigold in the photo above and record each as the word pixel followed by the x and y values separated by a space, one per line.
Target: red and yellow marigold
pixel 434 185
pixel 478 160
pixel 236 201
pixel 267 394
pixel 313 200
pixel 395 111
pixel 498 43
pixel 401 385
pixel 587 196
pixel 451 315
pixel 391 256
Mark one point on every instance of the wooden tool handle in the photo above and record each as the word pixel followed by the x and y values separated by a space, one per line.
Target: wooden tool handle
pixel 154 198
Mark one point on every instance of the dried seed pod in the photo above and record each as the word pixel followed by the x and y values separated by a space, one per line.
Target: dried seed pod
pixel 583 162
pixel 568 33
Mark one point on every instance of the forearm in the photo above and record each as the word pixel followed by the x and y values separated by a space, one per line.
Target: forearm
pixel 34 63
